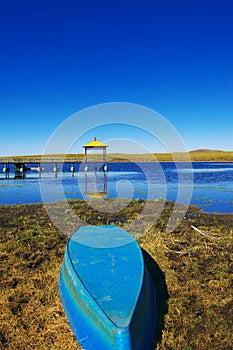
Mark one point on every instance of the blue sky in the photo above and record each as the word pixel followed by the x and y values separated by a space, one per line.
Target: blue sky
pixel 59 57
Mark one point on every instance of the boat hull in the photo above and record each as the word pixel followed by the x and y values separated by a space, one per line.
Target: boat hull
pixel 111 312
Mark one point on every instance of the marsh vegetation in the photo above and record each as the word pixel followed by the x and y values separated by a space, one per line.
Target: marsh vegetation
pixel 193 277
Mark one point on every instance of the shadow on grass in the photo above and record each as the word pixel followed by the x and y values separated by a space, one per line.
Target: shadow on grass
pixel 162 295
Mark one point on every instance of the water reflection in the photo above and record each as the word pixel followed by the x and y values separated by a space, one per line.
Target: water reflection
pixel 96 184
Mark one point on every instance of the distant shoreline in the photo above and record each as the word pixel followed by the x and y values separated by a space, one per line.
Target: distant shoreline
pixel 194 156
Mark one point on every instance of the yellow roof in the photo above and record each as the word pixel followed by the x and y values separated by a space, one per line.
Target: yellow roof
pixel 95 143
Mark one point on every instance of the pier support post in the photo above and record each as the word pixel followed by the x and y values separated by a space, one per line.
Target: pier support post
pixel 6 170
pixel 72 169
pixel 105 168
pixel 55 169
pixel 39 170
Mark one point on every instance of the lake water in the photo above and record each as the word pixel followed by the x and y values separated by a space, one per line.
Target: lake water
pixel 208 185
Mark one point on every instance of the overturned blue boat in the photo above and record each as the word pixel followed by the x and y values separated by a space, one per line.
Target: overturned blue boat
pixel 106 290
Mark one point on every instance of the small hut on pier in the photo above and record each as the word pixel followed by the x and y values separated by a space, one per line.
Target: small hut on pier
pixel 96 146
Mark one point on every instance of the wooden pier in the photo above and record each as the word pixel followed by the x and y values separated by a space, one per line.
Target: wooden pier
pixel 20 163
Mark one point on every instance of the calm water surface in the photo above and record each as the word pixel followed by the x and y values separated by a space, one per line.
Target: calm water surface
pixel 212 185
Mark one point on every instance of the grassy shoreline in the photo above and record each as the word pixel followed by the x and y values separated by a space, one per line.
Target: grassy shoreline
pixel 194 156
pixel 192 269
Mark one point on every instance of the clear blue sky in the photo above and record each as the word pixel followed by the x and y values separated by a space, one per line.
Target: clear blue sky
pixel 58 57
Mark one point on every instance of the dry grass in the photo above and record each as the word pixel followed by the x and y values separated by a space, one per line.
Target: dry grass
pixel 191 268
pixel 195 156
